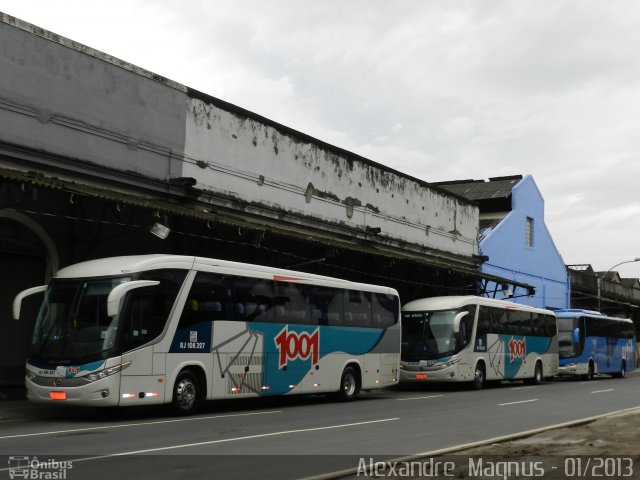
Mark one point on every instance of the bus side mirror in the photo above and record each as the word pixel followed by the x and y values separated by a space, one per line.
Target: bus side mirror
pixel 576 336
pixel 119 291
pixel 17 301
pixel 456 321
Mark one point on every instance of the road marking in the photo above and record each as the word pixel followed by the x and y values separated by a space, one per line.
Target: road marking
pixel 226 440
pixel 522 388
pixel 248 437
pixel 521 401
pixel 602 391
pixel 418 398
pixel 160 422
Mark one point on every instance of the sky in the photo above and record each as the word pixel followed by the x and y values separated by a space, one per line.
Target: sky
pixel 439 90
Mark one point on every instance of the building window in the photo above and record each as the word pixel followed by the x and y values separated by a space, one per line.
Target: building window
pixel 529 232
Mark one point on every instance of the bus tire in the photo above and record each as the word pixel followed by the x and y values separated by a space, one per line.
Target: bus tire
pixel 479 377
pixel 537 374
pixel 623 371
pixel 186 393
pixel 590 372
pixel 349 385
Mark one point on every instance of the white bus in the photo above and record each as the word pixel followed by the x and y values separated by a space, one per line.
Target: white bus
pixel 476 339
pixel 157 329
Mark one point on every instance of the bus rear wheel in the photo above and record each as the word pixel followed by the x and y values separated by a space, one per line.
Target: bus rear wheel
pixel 349 385
pixel 186 394
pixel 623 371
pixel 537 375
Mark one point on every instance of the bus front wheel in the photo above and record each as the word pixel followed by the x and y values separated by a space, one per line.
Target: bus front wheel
pixel 478 377
pixel 186 394
pixel 349 385
pixel 590 372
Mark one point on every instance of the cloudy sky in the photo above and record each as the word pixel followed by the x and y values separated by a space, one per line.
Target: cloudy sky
pixel 440 90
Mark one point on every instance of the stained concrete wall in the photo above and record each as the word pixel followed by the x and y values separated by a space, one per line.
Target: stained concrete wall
pixel 64 98
pixel 242 157
pixel 60 97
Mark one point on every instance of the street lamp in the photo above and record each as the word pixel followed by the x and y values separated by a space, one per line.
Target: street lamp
pixel 601 277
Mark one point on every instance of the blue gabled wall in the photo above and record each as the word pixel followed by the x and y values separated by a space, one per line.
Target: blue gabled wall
pixel 509 257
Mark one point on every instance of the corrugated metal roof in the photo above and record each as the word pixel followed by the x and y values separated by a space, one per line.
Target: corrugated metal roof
pixel 497 187
pixel 582 267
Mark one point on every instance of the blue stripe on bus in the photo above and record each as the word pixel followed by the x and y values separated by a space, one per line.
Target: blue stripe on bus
pixel 352 341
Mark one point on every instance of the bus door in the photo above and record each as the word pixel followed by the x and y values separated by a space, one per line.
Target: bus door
pixel 141 320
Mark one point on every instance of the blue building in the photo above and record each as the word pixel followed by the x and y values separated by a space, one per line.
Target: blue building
pixel 516 240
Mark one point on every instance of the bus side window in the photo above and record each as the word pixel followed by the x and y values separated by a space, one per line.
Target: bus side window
pixel 512 323
pixel 146 313
pixel 208 300
pixel 357 308
pixel 629 331
pixel 484 321
pixel 335 310
pixel 325 304
pixel 385 310
pixel 466 326
pixel 520 323
pixel 256 296
pixel 501 322
pixel 538 325
pixel 494 325
pixel 292 305
pixel 551 324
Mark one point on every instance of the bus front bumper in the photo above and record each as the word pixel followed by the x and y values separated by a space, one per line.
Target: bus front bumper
pixel 101 393
pixel 447 374
pixel 572 369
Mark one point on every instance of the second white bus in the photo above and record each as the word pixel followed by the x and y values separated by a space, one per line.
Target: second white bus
pixel 477 340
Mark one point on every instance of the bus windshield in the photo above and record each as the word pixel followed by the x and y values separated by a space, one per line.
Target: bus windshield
pixel 73 327
pixel 566 338
pixel 431 334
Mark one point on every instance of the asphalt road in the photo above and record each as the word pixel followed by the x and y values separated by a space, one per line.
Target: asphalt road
pixel 295 437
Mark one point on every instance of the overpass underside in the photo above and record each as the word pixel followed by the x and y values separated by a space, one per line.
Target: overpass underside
pixel 88 213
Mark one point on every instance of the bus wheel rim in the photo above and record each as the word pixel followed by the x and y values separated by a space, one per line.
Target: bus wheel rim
pixel 186 393
pixel 349 384
pixel 479 377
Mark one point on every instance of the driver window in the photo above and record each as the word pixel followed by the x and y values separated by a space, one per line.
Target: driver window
pixel 466 326
pixel 147 309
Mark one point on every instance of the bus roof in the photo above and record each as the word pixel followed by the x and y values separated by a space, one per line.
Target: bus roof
pixel 138 263
pixel 456 301
pixel 576 312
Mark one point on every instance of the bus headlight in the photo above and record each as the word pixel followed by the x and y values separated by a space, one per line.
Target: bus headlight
pixel 92 377
pixel 30 376
pixel 450 363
